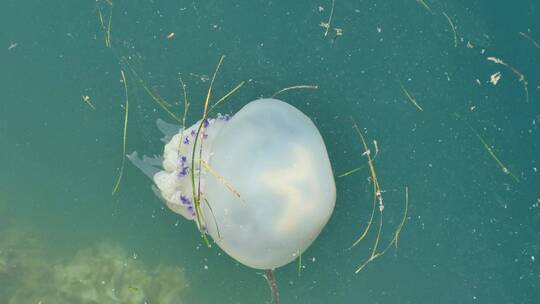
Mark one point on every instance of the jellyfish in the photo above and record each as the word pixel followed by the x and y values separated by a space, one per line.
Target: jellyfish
pixel 263 175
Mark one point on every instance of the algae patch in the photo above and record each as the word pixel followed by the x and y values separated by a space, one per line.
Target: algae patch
pixel 103 273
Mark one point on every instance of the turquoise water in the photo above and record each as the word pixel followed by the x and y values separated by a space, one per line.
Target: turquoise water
pixel 471 234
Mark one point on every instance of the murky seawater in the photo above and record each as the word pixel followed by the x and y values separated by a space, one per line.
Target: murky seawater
pixel 414 75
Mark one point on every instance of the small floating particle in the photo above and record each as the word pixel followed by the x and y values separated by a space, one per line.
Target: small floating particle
pixel 324 25
pixel 339 33
pixel 495 78
pixel 12 46
pixel 88 101
pixel 202 77
pixel 170 36
pixel 521 77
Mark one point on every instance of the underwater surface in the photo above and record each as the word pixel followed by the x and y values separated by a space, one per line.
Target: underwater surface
pixel 445 93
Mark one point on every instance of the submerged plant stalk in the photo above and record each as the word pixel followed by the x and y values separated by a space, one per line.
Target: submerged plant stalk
pixel 271 280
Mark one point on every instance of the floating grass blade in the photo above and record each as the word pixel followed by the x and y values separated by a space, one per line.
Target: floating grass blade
pixel 328 23
pixel 299 264
pixel 238 86
pixel 376 188
pixel 489 150
pixel 302 86
pixel 377 197
pixel 521 77
pixel 424 4
pixel 366 230
pixel 106 27
pixel 352 171
pixel 222 180
pixel 124 142
pixel 214 217
pixel 497 160
pixel 531 40
pixel 395 239
pixel 453 28
pixel 197 190
pixel 186 103
pixel 162 103
pixel 411 99
pixel 109 27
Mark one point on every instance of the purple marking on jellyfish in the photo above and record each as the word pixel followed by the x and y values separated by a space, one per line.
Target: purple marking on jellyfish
pixel 183 161
pixel 183 172
pixel 186 140
pixel 185 200
pixel 190 209
pixel 205 123
pixel 205 136
pixel 192 133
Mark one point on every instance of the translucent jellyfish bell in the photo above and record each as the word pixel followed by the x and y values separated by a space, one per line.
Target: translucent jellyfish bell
pixel 266 183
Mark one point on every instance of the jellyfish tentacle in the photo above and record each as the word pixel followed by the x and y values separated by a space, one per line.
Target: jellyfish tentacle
pixel 146 164
pixel 156 161
pixel 168 129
